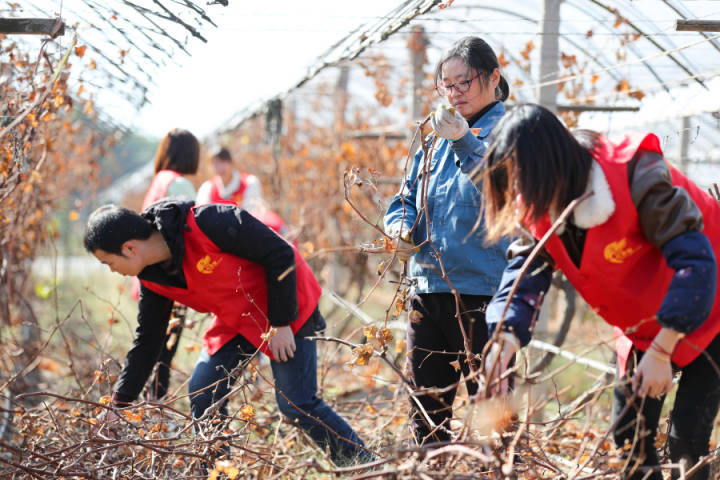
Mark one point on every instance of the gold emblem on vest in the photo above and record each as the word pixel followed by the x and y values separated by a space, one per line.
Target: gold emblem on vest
pixel 618 252
pixel 206 264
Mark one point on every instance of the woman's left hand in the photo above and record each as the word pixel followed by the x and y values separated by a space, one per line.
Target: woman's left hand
pixel 448 123
pixel 497 360
pixel 654 375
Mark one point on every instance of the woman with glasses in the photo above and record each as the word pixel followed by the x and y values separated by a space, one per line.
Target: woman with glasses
pixel 436 221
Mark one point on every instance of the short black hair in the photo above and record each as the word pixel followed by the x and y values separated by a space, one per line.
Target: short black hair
pixel 110 226
pixel 223 154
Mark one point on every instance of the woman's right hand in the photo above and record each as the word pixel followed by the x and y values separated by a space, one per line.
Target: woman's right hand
pixel 654 376
pixel 405 248
pixel 448 123
pixel 496 362
pixel 404 245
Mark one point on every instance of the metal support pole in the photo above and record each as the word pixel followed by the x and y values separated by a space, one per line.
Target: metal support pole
pixel 684 147
pixel 417 45
pixel 549 54
pixel 341 94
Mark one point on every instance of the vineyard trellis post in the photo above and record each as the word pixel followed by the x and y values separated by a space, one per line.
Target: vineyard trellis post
pixel 685 140
pixel 417 46
pixel 549 54
pixel 685 133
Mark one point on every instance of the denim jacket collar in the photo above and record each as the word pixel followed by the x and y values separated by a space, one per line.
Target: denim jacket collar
pixel 487 121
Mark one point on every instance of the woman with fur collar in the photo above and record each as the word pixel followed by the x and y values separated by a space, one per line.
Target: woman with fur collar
pixel 641 250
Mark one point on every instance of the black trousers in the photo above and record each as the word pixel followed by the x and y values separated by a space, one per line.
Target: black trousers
pixel 434 342
pixel 159 383
pixel 692 417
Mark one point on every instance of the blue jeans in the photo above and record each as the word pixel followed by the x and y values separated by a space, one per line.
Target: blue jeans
pixel 295 393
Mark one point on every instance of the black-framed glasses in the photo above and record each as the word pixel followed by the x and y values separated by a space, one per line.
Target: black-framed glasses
pixel 461 87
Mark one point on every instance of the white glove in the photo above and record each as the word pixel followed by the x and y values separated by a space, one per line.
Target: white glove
pixel 497 359
pixel 448 123
pixel 404 248
pixel 404 245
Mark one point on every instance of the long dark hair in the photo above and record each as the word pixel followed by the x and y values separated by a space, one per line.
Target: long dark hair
pixel 179 151
pixel 479 57
pixel 534 165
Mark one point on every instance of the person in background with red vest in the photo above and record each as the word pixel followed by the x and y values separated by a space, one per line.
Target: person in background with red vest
pixel 177 155
pixel 242 189
pixel 230 185
pixel 641 250
pixel 218 258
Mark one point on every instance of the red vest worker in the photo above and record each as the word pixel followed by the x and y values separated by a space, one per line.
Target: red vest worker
pixel 641 248
pixel 218 258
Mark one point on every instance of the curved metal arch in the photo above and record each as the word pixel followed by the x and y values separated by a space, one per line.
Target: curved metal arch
pixel 714 42
pixel 649 39
pixel 593 56
pixel 566 38
pixel 659 33
pixel 631 47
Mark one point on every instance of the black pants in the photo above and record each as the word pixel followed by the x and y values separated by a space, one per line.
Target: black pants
pixel 692 417
pixel 160 382
pixel 434 341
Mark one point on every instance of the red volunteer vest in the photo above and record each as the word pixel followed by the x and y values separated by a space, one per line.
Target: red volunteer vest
pixel 233 289
pixel 271 219
pixel 159 187
pixel 237 195
pixel 622 275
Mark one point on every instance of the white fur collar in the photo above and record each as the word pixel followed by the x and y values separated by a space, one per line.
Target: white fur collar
pixel 598 207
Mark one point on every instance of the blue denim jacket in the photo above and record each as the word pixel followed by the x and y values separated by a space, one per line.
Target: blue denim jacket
pixel 454 205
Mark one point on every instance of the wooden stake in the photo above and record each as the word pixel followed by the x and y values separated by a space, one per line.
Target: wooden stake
pixel 32 26
pixel 697 25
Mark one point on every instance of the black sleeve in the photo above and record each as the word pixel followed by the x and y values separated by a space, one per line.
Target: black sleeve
pixel 153 317
pixel 665 210
pixel 237 232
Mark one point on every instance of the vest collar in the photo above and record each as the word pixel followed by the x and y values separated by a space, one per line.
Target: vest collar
pixel 596 209
pixel 226 191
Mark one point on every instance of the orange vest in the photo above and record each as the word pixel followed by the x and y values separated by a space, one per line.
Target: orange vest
pixel 233 289
pixel 622 275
